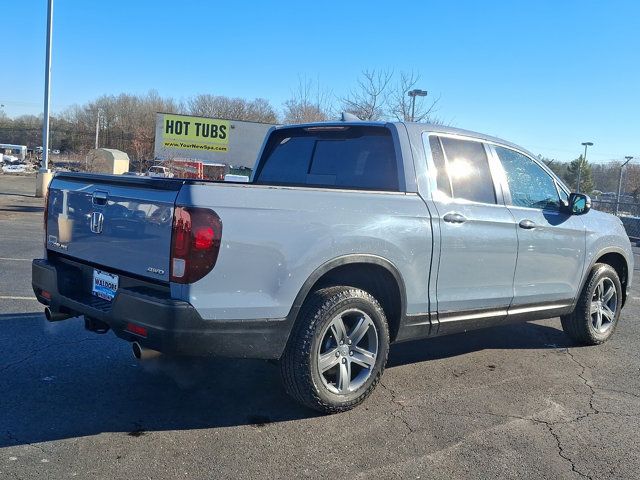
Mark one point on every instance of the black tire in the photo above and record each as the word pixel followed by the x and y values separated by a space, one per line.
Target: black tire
pixel 299 365
pixel 579 325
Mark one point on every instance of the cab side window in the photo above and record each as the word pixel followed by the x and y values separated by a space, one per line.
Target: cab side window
pixel 530 185
pixel 442 179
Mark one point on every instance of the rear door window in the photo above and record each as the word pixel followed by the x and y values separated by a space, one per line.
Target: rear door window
pixel 468 170
pixel 339 157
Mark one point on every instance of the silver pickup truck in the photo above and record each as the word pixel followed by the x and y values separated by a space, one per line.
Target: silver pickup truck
pixel 349 236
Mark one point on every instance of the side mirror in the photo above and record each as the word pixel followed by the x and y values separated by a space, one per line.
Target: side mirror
pixel 579 204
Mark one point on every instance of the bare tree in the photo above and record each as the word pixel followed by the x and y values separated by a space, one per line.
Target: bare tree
pixel 260 110
pixel 207 105
pixel 368 101
pixel 400 103
pixel 631 180
pixel 124 118
pixel 308 103
pixel 127 122
pixel 142 143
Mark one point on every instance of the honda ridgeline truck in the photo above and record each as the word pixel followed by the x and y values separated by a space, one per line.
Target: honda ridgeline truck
pixel 349 236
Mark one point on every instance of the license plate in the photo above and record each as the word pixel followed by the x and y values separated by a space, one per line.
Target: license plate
pixel 105 284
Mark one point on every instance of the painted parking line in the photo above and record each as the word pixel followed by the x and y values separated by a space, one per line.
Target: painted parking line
pixel 29 317
pixel 11 297
pixel 16 259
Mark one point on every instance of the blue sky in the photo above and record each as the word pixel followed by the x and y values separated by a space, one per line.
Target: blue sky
pixel 545 74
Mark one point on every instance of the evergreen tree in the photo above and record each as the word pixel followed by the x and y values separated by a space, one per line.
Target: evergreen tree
pixel 580 168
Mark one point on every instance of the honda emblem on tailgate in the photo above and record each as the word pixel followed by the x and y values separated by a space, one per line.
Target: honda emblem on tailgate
pixel 96 222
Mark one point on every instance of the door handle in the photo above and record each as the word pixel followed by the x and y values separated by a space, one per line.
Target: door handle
pixel 527 224
pixel 454 218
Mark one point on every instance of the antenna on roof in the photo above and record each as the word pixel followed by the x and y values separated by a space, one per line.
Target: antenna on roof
pixel 349 117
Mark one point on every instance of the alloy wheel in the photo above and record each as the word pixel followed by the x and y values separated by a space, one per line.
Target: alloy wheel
pixel 347 352
pixel 604 304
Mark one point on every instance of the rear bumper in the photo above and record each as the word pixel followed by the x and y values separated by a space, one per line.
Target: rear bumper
pixel 172 326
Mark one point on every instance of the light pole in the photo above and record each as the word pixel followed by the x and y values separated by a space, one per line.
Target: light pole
pixel 44 174
pixel 413 94
pixel 628 158
pixel 584 160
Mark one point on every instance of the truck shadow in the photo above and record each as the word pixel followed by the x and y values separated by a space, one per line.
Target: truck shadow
pixel 59 382
pixel 522 336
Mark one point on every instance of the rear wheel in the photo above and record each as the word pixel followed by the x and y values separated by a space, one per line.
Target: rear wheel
pixel 598 309
pixel 337 351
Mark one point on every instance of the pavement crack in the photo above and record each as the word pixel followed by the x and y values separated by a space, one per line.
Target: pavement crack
pixel 591 388
pixel 602 412
pixel 36 351
pixel 561 451
pixel 399 413
pixel 549 426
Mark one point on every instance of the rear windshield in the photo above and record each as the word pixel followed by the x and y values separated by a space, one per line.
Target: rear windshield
pixel 341 157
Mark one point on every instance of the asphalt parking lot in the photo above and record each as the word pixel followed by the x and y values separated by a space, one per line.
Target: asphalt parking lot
pixel 515 402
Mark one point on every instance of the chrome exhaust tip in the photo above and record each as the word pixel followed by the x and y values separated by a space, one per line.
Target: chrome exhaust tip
pixel 53 316
pixel 141 353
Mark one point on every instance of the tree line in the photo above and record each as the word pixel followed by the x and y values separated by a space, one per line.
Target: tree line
pixel 597 178
pixel 127 121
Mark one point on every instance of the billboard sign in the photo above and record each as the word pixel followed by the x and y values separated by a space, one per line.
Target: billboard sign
pixel 209 140
pixel 195 133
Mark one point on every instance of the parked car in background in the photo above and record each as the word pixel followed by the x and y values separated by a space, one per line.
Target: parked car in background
pixel 230 177
pixel 160 171
pixel 17 153
pixel 11 159
pixel 349 236
pixel 14 168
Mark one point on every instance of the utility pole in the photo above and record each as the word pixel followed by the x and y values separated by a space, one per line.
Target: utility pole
pixel 628 158
pixel 97 127
pixel 47 85
pixel 584 160
pixel 413 94
pixel 44 174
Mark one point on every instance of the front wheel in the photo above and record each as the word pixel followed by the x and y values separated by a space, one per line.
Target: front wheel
pixel 598 309
pixel 337 350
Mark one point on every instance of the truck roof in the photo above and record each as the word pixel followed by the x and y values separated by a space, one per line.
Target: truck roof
pixel 412 127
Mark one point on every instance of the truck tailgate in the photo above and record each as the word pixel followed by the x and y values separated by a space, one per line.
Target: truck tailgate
pixel 118 223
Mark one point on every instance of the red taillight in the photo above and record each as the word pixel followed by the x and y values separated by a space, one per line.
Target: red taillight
pixel 195 244
pixel 204 238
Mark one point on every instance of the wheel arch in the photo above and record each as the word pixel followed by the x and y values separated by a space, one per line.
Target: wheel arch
pixel 615 258
pixel 372 273
pixel 619 263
